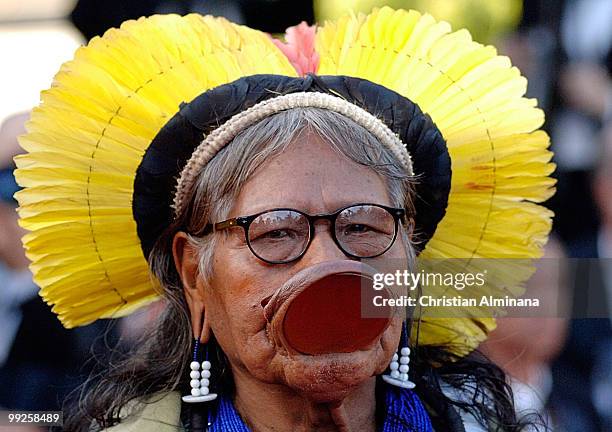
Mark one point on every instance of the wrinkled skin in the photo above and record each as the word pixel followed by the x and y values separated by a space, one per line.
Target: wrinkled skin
pixel 276 390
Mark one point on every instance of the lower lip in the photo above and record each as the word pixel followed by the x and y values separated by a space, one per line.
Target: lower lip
pixel 327 317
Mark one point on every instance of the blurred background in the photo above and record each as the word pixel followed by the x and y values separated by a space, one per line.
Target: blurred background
pixel 559 366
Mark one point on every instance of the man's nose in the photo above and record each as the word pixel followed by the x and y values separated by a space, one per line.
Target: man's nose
pixel 323 247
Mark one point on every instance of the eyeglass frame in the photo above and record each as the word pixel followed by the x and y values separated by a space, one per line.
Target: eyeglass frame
pixel 398 214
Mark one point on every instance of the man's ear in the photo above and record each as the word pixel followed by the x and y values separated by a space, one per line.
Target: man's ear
pixel 186 261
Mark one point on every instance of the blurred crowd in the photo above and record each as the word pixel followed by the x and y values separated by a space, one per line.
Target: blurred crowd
pixel 560 366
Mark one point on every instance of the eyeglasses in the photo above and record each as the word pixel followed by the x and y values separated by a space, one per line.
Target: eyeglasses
pixel 283 235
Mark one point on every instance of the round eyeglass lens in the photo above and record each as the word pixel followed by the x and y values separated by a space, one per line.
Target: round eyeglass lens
pixel 365 230
pixel 280 235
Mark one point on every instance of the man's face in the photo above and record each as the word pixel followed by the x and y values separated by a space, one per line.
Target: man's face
pixel 312 177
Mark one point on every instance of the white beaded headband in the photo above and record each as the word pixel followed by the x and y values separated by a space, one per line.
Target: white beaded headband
pixel 225 133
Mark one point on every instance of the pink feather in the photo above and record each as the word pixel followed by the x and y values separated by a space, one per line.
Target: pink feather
pixel 299 48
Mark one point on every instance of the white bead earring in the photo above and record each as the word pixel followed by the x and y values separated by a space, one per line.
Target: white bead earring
pixel 200 381
pixel 399 365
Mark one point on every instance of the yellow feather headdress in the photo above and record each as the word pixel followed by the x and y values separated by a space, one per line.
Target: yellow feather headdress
pixel 88 136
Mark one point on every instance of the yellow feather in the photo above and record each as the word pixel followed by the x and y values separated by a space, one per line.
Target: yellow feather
pixel 85 142
pixel 500 161
pixel 88 136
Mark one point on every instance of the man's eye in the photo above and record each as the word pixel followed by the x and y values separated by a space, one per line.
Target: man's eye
pixel 356 229
pixel 278 234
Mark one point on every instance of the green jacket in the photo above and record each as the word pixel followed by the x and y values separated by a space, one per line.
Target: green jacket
pixel 160 413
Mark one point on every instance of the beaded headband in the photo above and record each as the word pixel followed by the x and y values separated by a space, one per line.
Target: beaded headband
pixel 224 134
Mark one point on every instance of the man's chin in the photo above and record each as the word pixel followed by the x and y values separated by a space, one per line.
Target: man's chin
pixel 329 378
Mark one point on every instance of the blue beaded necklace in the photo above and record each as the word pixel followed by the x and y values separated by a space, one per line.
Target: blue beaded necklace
pixel 404 413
